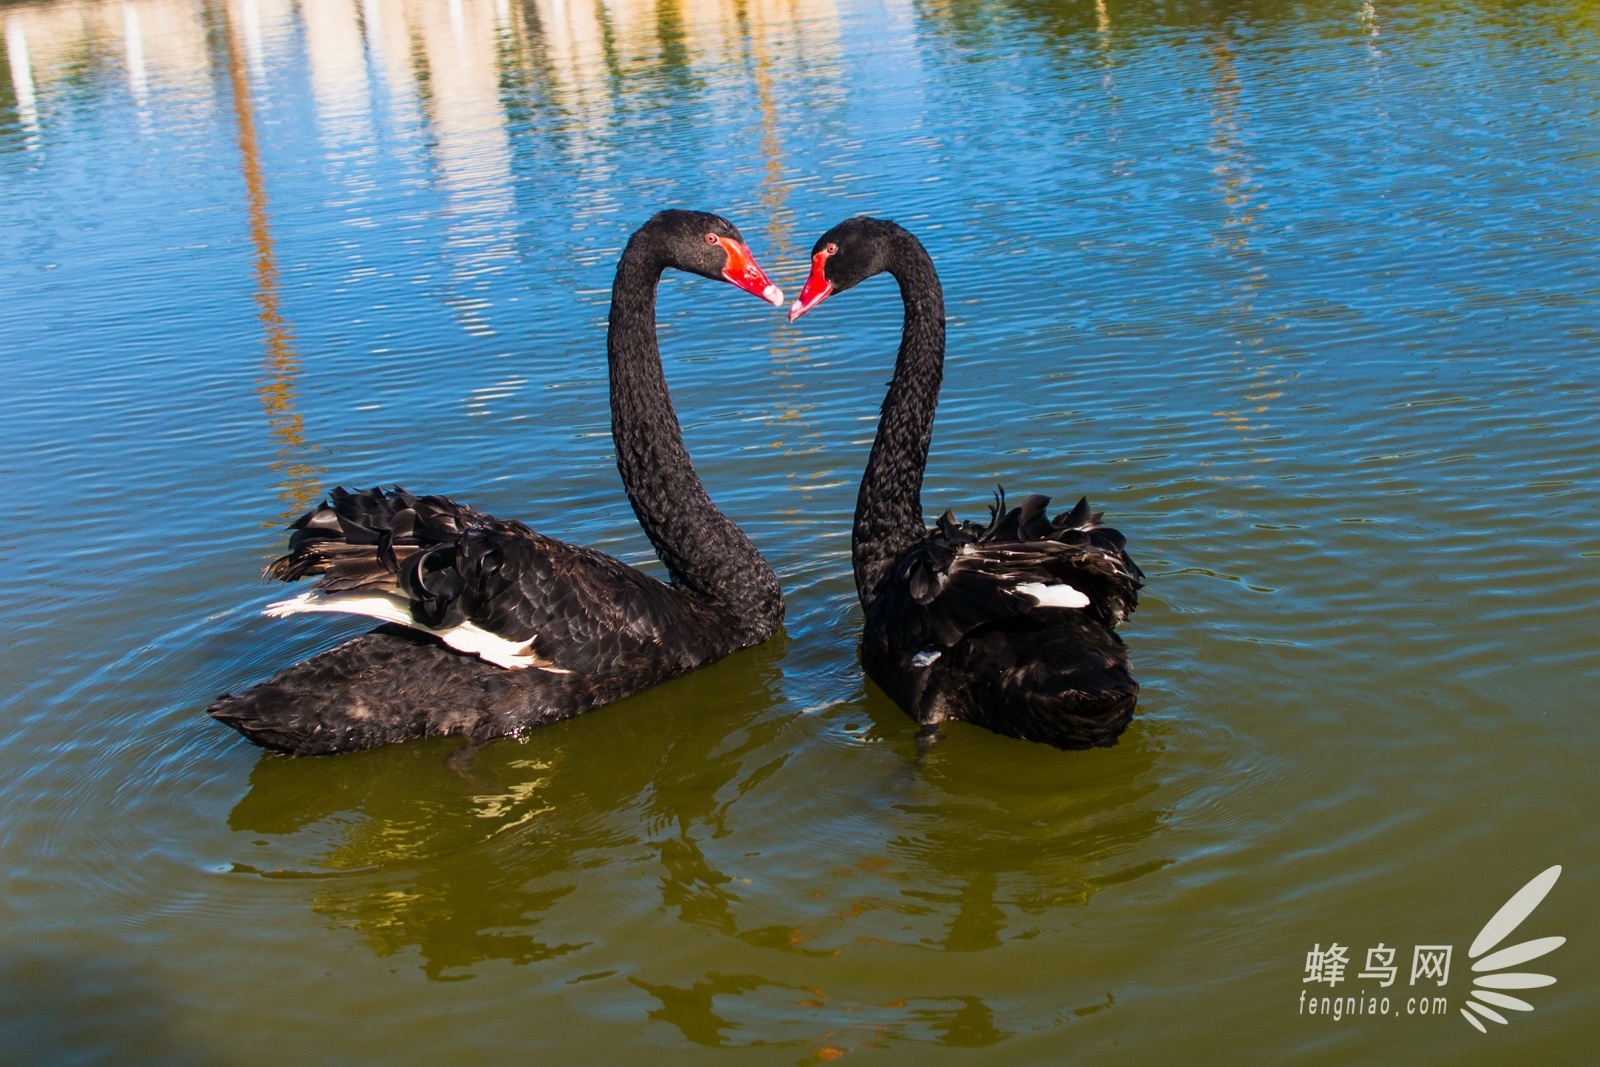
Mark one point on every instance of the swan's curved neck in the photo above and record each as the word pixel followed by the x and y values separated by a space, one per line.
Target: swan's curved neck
pixel 707 555
pixel 889 505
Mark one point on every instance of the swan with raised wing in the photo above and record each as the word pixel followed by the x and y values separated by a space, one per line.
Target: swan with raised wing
pixel 494 628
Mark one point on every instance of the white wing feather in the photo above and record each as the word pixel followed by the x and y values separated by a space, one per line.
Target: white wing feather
pixel 467 637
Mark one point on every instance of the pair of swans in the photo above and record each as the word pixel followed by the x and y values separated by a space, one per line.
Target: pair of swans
pixel 494 629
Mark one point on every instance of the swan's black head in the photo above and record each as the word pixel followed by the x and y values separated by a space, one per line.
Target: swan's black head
pixel 708 245
pixel 845 256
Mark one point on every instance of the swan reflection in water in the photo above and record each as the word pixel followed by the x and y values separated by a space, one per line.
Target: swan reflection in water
pixel 462 860
pixel 515 856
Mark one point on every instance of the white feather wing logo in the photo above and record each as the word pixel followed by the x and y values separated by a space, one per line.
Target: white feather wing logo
pixel 1485 999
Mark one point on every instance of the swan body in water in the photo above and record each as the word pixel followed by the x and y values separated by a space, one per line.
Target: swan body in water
pixel 1009 625
pixel 493 628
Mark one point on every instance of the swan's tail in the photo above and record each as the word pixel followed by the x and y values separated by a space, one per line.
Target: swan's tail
pixel 392 557
pixel 359 541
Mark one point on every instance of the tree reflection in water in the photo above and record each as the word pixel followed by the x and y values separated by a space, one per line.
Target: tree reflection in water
pixel 570 849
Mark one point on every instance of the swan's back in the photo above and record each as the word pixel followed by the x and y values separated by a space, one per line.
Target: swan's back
pixel 1011 626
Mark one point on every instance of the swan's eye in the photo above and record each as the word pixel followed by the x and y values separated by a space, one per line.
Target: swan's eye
pixel 711 238
pixel 832 250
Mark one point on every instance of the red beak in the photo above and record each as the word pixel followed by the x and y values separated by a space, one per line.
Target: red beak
pixel 742 271
pixel 817 288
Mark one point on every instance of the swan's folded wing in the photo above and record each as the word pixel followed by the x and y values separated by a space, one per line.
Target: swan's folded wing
pixel 964 576
pixel 487 587
pixel 358 540
pixel 578 609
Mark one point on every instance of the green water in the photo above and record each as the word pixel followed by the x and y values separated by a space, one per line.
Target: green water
pixel 1303 296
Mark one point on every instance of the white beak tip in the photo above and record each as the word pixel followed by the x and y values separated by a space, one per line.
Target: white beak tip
pixel 773 295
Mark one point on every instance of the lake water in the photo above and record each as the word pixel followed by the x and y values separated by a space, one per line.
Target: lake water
pixel 1303 295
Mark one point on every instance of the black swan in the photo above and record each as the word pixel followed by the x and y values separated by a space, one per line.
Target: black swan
pixel 1011 625
pixel 495 628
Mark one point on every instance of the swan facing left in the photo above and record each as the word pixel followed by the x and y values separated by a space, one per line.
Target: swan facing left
pixel 1010 625
pixel 494 628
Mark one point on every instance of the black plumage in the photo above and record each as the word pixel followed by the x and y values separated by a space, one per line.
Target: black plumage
pixel 963 576
pixel 573 627
pixel 1009 625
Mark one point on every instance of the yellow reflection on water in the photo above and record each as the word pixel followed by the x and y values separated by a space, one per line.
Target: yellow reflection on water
pixel 1122 167
pixel 300 481
pixel 787 415
pixel 1241 198
pixel 774 192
